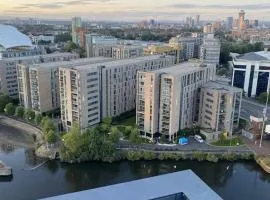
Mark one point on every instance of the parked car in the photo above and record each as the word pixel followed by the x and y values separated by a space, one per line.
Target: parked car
pixel 198 138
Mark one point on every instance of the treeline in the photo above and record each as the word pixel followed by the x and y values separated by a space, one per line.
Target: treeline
pixel 241 48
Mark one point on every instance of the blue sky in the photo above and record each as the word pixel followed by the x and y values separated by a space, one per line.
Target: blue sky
pixel 134 9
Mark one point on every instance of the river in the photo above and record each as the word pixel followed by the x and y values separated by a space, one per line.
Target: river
pixel 243 180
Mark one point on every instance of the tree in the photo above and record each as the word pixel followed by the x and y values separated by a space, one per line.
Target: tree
pixel 127 131
pixel 38 118
pixel 4 100
pixel 19 112
pixel 163 139
pixel 51 137
pixel 135 137
pixel 70 46
pixel 115 135
pixel 65 37
pixel 10 109
pixel 47 125
pixel 29 115
pixel 107 120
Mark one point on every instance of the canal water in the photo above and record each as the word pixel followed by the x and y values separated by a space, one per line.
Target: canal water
pixel 238 180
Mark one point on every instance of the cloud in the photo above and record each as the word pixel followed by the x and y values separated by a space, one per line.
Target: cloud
pixel 59 4
pixel 261 6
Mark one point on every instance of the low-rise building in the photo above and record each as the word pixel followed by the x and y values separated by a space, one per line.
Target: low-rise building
pixel 168 99
pixel 251 72
pixel 88 93
pixel 220 107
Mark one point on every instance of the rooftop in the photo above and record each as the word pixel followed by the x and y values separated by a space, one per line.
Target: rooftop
pixel 38 56
pixel 10 37
pixel 70 63
pixel 182 68
pixel 221 87
pixel 129 61
pixel 255 56
pixel 185 182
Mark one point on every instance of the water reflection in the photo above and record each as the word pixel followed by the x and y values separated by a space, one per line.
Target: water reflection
pixel 7 147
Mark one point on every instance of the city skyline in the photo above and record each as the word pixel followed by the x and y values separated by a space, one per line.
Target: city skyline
pixel 126 10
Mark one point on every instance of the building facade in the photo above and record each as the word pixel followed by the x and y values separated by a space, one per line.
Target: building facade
pixel 168 99
pixel 210 50
pixel 126 51
pixel 91 92
pixel 76 23
pixel 39 85
pixel 220 107
pixel 251 72
pixel 99 45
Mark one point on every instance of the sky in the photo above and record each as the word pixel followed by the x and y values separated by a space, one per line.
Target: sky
pixel 126 10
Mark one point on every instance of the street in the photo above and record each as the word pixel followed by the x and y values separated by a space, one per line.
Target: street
pixel 251 107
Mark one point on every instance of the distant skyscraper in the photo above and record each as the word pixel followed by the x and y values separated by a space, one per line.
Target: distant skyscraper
pixel 76 23
pixel 242 24
pixel 229 22
pixel 197 20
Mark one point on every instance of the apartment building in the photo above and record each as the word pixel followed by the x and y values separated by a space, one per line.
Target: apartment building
pixel 91 92
pixel 210 50
pixel 8 69
pixel 39 83
pixel 76 23
pixel 173 50
pixel 126 51
pixel 220 107
pixel 99 45
pixel 168 99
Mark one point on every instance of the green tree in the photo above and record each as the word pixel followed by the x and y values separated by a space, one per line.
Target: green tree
pixel 127 131
pixel 51 137
pixel 29 115
pixel 107 121
pixel 70 46
pixel 19 112
pixel 115 135
pixel 10 109
pixel 47 125
pixel 65 37
pixel 135 137
pixel 4 100
pixel 38 118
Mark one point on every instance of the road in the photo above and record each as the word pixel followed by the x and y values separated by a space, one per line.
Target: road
pixel 192 145
pixel 251 107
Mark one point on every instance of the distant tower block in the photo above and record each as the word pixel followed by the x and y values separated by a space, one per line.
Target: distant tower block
pixel 242 24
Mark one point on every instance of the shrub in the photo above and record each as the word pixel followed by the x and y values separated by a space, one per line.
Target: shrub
pixel 133 155
pixel 10 109
pixel 211 157
pixel 198 156
pixel 19 112
pixel 147 155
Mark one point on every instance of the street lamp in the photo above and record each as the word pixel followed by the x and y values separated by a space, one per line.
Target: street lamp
pixel 265 112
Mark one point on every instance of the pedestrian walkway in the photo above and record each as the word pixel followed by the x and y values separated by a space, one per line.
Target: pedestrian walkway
pixel 255 146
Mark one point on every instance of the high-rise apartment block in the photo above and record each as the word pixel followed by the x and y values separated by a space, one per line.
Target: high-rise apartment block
pixel 76 23
pixel 8 69
pixel 99 45
pixel 229 23
pixel 88 93
pixel 210 50
pixel 208 28
pixel 168 99
pixel 126 51
pixel 241 20
pixel 39 83
pixel 220 107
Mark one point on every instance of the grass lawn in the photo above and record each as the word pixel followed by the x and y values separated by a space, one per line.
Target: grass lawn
pixel 131 121
pixel 229 142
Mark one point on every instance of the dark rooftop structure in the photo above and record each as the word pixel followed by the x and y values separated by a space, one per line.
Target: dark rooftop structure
pixel 183 185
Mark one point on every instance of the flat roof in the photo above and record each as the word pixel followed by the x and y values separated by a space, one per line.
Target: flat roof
pixel 114 63
pixel 221 87
pixel 182 68
pixel 255 56
pixel 39 56
pixel 70 63
pixel 185 181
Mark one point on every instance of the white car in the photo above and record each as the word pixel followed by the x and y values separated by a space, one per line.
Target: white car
pixel 198 138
